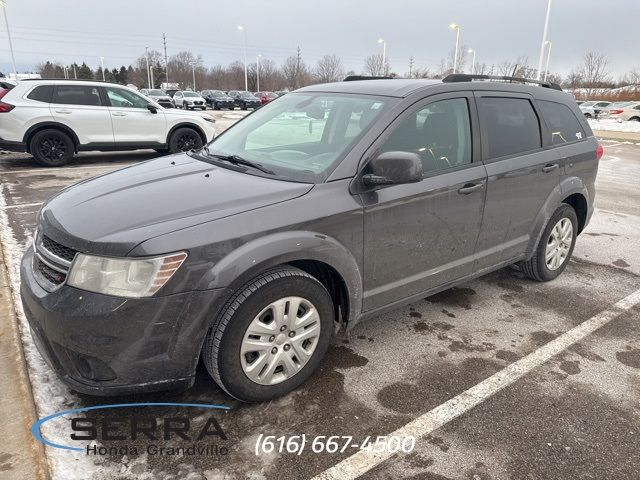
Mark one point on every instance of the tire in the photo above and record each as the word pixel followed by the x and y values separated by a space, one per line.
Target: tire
pixel 587 115
pixel 634 119
pixel 216 106
pixel 244 106
pixel 184 106
pixel 51 148
pixel 184 139
pixel 538 267
pixel 221 352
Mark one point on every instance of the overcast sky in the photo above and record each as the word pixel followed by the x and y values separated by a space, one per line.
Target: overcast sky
pixel 84 30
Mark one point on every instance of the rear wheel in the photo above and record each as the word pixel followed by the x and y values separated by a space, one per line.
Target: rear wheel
pixel 555 246
pixel 270 336
pixel 184 139
pixel 51 148
pixel 635 119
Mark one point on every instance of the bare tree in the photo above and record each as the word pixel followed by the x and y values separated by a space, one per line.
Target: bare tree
pixel 329 69
pixel 295 71
pixel 181 67
pixel 594 71
pixel 374 65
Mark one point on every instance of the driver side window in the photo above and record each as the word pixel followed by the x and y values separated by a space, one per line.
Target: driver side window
pixel 121 98
pixel 439 133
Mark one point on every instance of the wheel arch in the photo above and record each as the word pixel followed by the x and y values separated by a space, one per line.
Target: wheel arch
pixel 50 125
pixel 319 255
pixel 190 125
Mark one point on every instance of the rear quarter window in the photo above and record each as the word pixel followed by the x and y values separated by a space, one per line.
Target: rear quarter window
pixel 42 93
pixel 511 125
pixel 563 125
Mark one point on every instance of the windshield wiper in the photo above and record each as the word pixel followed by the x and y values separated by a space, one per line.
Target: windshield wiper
pixel 238 160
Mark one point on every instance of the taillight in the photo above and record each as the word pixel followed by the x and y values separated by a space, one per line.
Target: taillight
pixel 5 107
pixel 615 111
pixel 599 151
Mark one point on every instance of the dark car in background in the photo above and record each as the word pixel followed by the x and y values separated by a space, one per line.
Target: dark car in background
pixel 158 96
pixel 244 99
pixel 266 97
pixel 246 255
pixel 217 99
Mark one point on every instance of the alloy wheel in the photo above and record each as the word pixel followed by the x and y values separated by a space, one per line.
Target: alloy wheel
pixel 559 244
pixel 53 148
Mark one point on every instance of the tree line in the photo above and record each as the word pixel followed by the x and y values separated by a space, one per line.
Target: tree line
pixel 586 78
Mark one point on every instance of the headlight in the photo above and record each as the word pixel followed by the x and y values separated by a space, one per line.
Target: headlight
pixel 123 277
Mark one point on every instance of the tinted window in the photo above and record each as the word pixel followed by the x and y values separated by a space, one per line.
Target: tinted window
pixel 563 124
pixel 119 97
pixel 439 133
pixel 76 95
pixel 511 124
pixel 43 93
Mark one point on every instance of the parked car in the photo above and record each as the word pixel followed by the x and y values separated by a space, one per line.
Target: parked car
pixel 266 97
pixel 158 96
pixel 247 253
pixel 54 119
pixel 623 111
pixel 593 108
pixel 217 99
pixel 244 99
pixel 189 100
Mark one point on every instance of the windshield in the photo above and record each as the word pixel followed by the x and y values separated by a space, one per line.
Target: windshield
pixel 157 93
pixel 587 104
pixel 190 94
pixel 247 95
pixel 302 136
pixel 217 93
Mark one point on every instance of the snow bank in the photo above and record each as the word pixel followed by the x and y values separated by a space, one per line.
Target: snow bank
pixel 612 125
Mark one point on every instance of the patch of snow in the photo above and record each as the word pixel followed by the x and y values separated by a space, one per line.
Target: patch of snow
pixel 611 125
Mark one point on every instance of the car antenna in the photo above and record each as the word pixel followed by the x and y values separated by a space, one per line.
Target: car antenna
pixel 515 69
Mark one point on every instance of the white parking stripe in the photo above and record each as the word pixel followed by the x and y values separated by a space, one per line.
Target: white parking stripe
pixel 363 461
pixel 21 205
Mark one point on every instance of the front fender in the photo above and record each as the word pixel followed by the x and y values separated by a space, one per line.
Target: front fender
pixel 245 262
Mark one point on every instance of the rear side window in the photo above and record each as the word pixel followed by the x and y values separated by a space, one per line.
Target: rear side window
pixel 42 93
pixel 563 125
pixel 77 95
pixel 511 124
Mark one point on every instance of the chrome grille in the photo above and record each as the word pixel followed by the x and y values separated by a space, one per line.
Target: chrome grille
pixel 52 260
pixel 58 250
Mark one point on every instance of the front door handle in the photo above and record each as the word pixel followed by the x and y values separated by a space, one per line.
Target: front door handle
pixel 119 114
pixel 61 110
pixel 470 188
pixel 550 167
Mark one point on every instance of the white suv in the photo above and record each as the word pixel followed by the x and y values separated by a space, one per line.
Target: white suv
pixel 53 119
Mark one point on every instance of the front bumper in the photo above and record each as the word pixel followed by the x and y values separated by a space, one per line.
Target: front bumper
pixel 105 345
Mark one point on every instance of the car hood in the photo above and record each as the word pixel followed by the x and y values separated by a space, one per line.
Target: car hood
pixel 111 214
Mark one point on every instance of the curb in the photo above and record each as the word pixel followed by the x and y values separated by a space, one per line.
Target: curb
pixel 21 457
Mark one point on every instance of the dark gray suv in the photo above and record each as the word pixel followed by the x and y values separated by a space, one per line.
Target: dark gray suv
pixel 324 207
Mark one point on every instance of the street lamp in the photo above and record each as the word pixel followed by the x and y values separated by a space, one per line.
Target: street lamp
pixel 258 72
pixel 193 69
pixel 65 72
pixel 473 61
pixel 546 69
pixel 6 23
pixel 544 39
pixel 151 76
pixel 456 27
pixel 146 49
pixel 102 65
pixel 244 50
pixel 384 55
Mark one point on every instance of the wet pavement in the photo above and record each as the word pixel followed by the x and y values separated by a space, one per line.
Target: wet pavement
pixel 576 417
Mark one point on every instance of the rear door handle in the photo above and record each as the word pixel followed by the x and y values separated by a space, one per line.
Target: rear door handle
pixel 119 114
pixel 63 111
pixel 549 167
pixel 470 188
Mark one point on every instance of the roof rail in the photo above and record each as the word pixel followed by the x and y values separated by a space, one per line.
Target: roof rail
pixel 65 80
pixel 353 78
pixel 465 77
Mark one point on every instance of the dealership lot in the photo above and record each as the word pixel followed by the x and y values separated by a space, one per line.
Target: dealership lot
pixel 576 416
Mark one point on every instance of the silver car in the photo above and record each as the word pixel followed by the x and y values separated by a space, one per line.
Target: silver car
pixel 593 108
pixel 159 96
pixel 189 100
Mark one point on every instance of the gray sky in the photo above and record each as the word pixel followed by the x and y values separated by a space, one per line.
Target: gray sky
pixel 118 30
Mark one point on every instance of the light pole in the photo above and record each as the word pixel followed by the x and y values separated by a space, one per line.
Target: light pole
pixel 473 60
pixel 384 55
pixel 544 39
pixel 6 23
pixel 258 72
pixel 151 76
pixel 146 49
pixel 102 65
pixel 546 69
pixel 193 69
pixel 244 50
pixel 456 27
pixel 65 71
pixel 75 73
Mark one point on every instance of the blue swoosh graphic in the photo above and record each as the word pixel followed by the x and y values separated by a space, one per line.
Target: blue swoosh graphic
pixel 35 428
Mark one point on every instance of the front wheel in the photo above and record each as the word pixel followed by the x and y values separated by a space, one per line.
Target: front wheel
pixel 555 246
pixel 184 139
pixel 270 336
pixel 51 148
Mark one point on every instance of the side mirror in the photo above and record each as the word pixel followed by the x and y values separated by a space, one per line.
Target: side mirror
pixel 392 168
pixel 152 108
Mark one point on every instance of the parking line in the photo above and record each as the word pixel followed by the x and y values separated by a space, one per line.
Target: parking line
pixel 363 461
pixel 21 205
